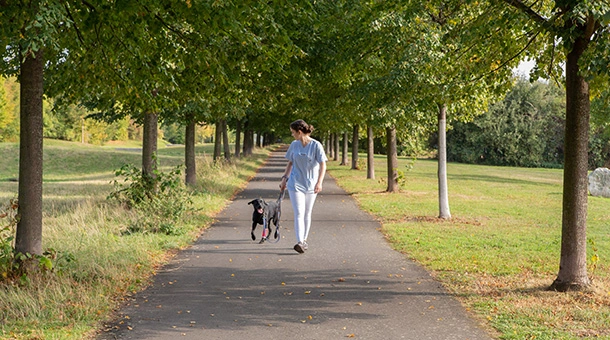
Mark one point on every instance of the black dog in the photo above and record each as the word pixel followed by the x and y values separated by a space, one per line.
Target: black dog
pixel 265 213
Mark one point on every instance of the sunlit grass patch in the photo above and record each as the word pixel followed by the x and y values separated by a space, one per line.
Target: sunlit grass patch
pixel 500 250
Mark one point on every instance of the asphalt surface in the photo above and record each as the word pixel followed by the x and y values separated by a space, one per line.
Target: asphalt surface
pixel 349 284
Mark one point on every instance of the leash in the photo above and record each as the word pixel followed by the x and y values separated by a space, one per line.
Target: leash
pixel 277 235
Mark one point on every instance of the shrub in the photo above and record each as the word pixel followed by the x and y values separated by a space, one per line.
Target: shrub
pixel 158 202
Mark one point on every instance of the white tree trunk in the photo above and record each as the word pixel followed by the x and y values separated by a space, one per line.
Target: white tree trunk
pixel 443 191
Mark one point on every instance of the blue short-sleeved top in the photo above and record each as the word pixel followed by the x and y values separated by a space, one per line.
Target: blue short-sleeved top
pixel 305 165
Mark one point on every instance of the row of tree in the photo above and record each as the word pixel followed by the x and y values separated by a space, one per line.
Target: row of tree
pixel 396 68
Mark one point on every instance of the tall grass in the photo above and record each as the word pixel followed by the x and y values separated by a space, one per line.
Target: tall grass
pixel 500 251
pixel 109 265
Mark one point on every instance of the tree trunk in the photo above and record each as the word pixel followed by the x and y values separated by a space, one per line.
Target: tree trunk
pixel 189 154
pixel 443 191
pixel 336 146
pixel 328 144
pixel 217 140
pixel 259 138
pixel 225 140
pixel 149 146
pixel 392 160
pixel 29 228
pixel 355 148
pixel 238 139
pixel 248 140
pixel 370 152
pixel 573 260
pixel 344 159
pixel 331 144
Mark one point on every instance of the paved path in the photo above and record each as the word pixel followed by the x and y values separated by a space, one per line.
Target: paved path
pixel 349 284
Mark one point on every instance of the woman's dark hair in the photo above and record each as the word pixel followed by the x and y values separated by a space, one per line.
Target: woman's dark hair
pixel 300 125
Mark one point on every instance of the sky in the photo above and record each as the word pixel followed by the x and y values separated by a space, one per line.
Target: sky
pixel 524 68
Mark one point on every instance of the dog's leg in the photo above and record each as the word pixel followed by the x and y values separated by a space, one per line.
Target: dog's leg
pixel 265 227
pixel 252 232
pixel 276 221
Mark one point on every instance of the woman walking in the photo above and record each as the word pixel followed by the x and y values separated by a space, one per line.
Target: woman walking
pixel 303 177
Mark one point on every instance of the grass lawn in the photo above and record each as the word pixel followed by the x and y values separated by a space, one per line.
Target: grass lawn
pixel 109 265
pixel 500 250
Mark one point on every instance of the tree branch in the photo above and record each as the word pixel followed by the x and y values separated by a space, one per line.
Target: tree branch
pixel 78 33
pixel 510 59
pixel 518 4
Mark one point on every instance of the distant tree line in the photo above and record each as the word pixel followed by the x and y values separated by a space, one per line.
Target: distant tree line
pixel 75 123
pixel 525 129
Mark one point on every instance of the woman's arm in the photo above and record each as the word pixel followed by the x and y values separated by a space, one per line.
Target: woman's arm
pixel 321 174
pixel 286 175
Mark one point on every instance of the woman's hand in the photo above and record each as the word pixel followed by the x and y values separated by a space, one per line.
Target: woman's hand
pixel 318 188
pixel 283 183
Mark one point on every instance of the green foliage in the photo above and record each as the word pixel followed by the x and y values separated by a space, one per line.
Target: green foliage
pixel 9 109
pixel 174 133
pixel 4 113
pixel 159 203
pixel 524 129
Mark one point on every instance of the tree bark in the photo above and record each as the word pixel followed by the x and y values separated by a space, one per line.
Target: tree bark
pixel 225 140
pixel 28 237
pixel 443 191
pixel 336 146
pixel 238 139
pixel 344 159
pixel 149 147
pixel 217 140
pixel 370 152
pixel 189 154
pixel 355 147
pixel 392 160
pixel 573 259
pixel 328 145
pixel 248 140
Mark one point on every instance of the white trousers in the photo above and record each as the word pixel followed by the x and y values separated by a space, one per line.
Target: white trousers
pixel 302 206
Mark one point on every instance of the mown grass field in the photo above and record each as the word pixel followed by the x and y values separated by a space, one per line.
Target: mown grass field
pixel 109 265
pixel 500 251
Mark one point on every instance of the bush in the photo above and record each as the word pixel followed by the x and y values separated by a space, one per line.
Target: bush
pixel 158 202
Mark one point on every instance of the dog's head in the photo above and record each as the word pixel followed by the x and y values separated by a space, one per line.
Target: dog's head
pixel 259 205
